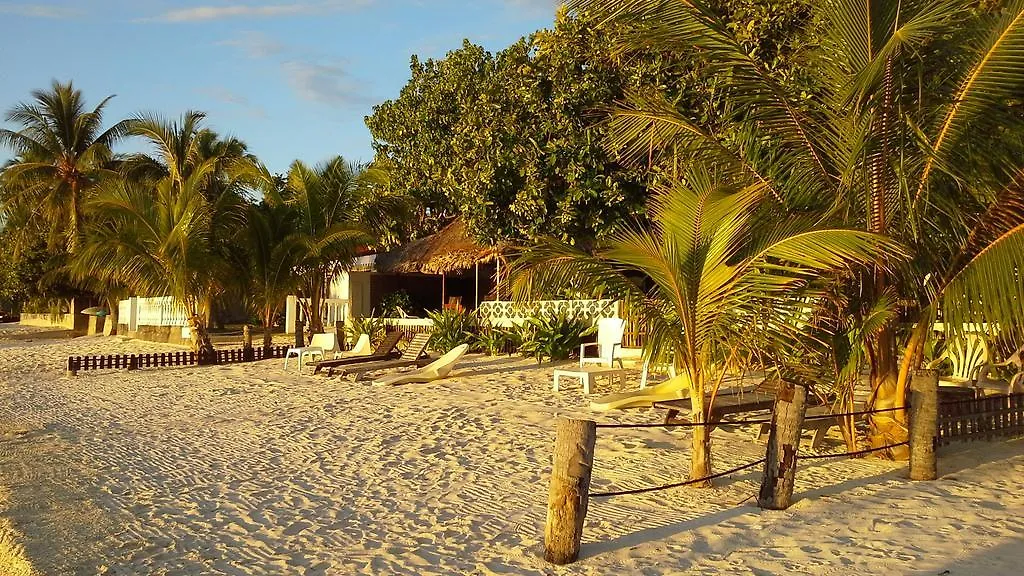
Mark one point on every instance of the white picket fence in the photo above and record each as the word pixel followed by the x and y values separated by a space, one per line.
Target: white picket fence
pixel 158 311
pixel 332 309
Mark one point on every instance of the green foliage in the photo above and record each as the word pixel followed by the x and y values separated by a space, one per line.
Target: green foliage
pixel 392 302
pixel 494 340
pixel 554 336
pixel 375 327
pixel 452 327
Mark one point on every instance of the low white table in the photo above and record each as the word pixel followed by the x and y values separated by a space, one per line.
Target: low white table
pixel 302 352
pixel 587 375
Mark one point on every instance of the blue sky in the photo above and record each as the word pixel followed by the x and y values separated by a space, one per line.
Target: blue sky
pixel 292 79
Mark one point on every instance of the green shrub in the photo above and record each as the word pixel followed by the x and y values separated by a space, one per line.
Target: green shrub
pixel 393 301
pixel 555 336
pixel 494 340
pixel 452 327
pixel 373 326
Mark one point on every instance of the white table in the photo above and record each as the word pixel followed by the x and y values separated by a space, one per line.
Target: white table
pixel 587 375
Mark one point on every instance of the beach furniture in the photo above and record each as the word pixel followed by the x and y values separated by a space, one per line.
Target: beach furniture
pixel 986 382
pixel 412 356
pixel 587 375
pixel 319 345
pixel 609 343
pixel 652 366
pixel 674 388
pixel 436 370
pixel 965 355
pixel 384 351
pixel 362 348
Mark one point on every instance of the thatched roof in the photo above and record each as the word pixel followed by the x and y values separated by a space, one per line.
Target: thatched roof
pixel 450 250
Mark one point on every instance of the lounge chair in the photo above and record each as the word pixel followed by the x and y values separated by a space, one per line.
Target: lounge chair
pixel 1014 385
pixel 965 356
pixel 319 345
pixel 384 351
pixel 436 370
pixel 362 348
pixel 672 389
pixel 411 357
pixel 609 343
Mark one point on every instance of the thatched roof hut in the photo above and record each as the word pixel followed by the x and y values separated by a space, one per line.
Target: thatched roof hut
pixel 449 251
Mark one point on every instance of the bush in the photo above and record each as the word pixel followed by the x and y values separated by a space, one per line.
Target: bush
pixel 393 301
pixel 357 325
pixel 555 336
pixel 494 340
pixel 452 327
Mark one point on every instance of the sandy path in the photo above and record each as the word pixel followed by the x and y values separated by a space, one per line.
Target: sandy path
pixel 247 469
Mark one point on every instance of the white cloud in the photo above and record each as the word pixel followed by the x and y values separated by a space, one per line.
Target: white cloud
pixel 324 83
pixel 39 10
pixel 255 44
pixel 204 13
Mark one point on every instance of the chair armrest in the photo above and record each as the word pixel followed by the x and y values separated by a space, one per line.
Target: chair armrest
pixel 583 347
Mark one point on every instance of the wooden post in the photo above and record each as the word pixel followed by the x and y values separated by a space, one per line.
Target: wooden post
pixel 300 331
pixel 924 424
pixel 248 354
pixel 339 334
pixel 72 367
pixel 570 487
pixel 783 443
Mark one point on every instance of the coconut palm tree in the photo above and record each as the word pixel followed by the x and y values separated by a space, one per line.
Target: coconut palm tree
pixel 912 129
pixel 62 152
pixel 338 209
pixel 272 254
pixel 722 281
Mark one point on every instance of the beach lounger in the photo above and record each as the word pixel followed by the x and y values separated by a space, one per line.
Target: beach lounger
pixel 672 389
pixel 436 370
pixel 411 357
pixel 382 352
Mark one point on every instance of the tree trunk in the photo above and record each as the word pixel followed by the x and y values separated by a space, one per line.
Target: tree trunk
pixel 268 332
pixel 783 446
pixel 201 343
pixel 569 491
pixel 700 453
pixel 113 305
pixel 887 427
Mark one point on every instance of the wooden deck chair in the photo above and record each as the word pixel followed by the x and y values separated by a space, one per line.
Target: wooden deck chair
pixel 436 370
pixel 412 356
pixel 384 351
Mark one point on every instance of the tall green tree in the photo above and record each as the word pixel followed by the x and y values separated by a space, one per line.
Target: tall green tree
pixel 725 281
pixel 63 151
pixel 912 129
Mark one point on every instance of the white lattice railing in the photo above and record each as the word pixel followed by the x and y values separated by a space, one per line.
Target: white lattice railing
pixel 159 311
pixel 506 313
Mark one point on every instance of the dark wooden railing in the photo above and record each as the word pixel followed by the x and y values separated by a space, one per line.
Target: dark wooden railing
pixel 981 418
pixel 77 364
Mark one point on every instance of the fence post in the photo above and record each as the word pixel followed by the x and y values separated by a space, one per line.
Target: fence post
pixel 924 424
pixel 248 354
pixel 339 334
pixel 783 443
pixel 570 487
pixel 72 367
pixel 300 331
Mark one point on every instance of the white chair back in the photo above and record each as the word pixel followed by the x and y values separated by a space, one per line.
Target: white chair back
pixel 327 341
pixel 443 365
pixel 967 355
pixel 362 347
pixel 609 333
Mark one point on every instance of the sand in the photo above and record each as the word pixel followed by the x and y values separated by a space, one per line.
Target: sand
pixel 248 469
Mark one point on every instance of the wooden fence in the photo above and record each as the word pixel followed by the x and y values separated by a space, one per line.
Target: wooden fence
pixel 76 364
pixel 981 418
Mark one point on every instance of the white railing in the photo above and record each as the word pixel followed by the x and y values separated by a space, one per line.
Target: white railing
pixel 159 311
pixel 332 310
pixel 506 313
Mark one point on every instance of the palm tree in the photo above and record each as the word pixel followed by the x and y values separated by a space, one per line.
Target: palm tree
pixel 912 130
pixel 337 209
pixel 63 151
pixel 722 281
pixel 272 255
pixel 157 226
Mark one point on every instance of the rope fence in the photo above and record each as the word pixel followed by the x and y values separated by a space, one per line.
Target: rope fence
pixel 677 484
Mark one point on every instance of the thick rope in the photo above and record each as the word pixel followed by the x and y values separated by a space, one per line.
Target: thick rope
pixel 677 484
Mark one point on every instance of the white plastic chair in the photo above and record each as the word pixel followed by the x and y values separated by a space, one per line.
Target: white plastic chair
pixel 966 356
pixel 609 343
pixel 362 348
pixel 319 345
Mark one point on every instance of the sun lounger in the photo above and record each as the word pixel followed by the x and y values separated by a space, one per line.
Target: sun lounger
pixel 672 389
pixel 382 352
pixel 411 357
pixel 436 370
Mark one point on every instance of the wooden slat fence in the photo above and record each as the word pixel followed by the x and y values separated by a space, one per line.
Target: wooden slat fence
pixel 981 418
pixel 169 359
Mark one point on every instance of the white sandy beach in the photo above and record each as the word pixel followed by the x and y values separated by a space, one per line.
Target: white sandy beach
pixel 248 469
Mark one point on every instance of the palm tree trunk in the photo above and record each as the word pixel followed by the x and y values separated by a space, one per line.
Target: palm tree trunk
pixel 887 427
pixel 700 457
pixel 268 336
pixel 201 343
pixel 113 317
